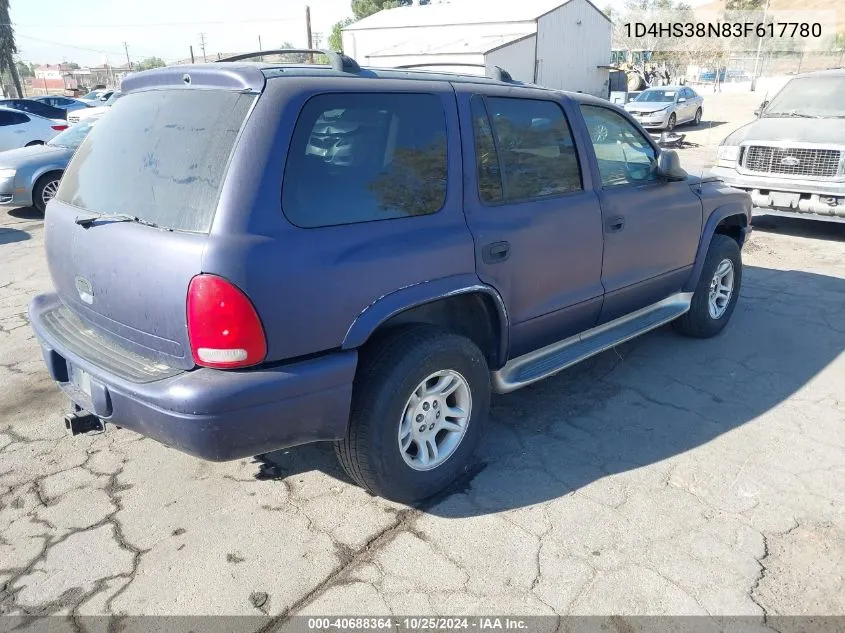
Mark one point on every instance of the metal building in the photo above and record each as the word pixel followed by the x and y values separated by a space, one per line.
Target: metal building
pixel 559 44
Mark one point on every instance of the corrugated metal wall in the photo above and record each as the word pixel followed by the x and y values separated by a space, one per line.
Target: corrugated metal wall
pixel 517 58
pixel 572 41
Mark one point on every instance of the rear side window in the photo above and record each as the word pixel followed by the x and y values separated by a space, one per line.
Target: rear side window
pixel 12 118
pixel 536 154
pixel 159 155
pixel 364 157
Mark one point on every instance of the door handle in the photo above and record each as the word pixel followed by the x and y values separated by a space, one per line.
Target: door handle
pixel 614 224
pixel 496 252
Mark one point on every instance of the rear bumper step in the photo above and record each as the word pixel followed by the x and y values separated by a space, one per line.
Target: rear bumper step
pixel 216 415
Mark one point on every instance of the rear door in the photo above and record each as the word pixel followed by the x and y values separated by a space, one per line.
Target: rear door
pixel 160 156
pixel 532 210
pixel 651 226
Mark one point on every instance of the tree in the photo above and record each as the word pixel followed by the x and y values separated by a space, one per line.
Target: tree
pixel 743 5
pixel 24 69
pixel 336 37
pixel 73 65
pixel 150 62
pixel 363 8
pixel 8 48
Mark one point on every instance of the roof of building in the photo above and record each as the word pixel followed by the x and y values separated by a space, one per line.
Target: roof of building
pixel 478 45
pixel 458 12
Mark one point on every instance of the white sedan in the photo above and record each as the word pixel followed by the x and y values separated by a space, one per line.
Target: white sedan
pixel 21 129
pixel 666 107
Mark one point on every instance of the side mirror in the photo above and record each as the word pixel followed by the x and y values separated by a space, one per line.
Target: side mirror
pixel 669 165
pixel 762 107
pixel 682 100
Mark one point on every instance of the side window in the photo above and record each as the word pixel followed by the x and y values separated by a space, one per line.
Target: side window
pixel 486 160
pixel 6 118
pixel 364 157
pixel 536 154
pixel 624 155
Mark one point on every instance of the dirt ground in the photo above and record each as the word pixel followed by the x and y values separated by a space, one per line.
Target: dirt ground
pixel 666 476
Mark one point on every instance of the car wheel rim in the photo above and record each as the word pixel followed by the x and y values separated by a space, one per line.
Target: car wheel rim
pixel 435 420
pixel 698 117
pixel 721 289
pixel 671 124
pixel 49 191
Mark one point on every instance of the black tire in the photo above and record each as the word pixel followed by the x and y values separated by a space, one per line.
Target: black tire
pixel 38 189
pixel 698 322
pixel 697 118
pixel 670 124
pixel 388 373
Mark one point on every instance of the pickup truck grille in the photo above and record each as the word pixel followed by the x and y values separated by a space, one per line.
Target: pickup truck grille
pixel 792 161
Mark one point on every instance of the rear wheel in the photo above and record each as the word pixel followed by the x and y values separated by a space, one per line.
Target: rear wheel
pixel 32 143
pixel 717 292
pixel 420 401
pixel 45 190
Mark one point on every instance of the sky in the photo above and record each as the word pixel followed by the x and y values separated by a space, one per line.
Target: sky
pixel 89 31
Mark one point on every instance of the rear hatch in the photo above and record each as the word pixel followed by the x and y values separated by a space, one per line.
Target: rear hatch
pixel 157 161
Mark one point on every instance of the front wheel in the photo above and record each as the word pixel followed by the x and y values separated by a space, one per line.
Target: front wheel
pixel 717 291
pixel 420 401
pixel 697 118
pixel 670 125
pixel 45 190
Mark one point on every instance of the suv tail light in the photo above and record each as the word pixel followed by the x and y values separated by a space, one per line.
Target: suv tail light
pixel 223 327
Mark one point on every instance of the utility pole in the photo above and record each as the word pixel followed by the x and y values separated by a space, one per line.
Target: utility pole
pixel 202 46
pixel 308 31
pixel 260 48
pixel 128 62
pixel 317 37
pixel 192 53
pixel 759 46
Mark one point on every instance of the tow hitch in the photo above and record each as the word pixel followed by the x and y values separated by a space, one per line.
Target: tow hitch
pixel 80 421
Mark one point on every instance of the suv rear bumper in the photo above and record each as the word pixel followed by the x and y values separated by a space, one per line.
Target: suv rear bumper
pixel 213 414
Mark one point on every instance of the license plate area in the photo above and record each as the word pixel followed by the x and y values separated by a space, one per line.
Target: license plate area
pixel 784 200
pixel 81 380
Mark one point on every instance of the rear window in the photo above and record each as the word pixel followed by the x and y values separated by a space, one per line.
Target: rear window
pixel 160 156
pixel 364 157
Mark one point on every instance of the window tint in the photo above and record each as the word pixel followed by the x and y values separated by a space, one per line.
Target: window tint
pixel 537 156
pixel 159 155
pixel 624 155
pixel 486 160
pixel 12 118
pixel 364 157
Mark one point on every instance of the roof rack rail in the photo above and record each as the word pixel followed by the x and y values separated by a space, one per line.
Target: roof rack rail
pixel 496 72
pixel 338 61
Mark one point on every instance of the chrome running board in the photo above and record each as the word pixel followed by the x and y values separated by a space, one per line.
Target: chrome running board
pixel 556 357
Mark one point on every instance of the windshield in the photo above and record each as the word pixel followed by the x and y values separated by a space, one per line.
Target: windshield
pixel 73 136
pixel 660 96
pixel 820 96
pixel 94 94
pixel 115 96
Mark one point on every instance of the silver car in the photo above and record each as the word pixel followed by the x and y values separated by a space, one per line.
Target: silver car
pixel 666 107
pixel 29 176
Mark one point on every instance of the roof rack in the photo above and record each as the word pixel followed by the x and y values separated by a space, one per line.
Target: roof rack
pixel 496 72
pixel 338 61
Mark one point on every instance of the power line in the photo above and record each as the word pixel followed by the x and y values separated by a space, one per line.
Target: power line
pixel 81 48
pixel 144 24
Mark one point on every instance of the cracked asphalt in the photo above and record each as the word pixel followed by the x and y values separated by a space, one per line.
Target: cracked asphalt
pixel 666 476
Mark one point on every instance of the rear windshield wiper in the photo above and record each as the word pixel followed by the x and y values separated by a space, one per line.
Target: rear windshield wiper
pixel 87 221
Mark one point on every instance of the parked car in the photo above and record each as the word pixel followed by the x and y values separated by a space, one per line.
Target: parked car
pixel 29 176
pixel 249 256
pixel 80 115
pixel 792 158
pixel 20 129
pixel 68 104
pixel 97 96
pixel 35 107
pixel 666 107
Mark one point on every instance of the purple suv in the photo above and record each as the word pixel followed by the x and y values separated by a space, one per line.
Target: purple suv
pixel 250 256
